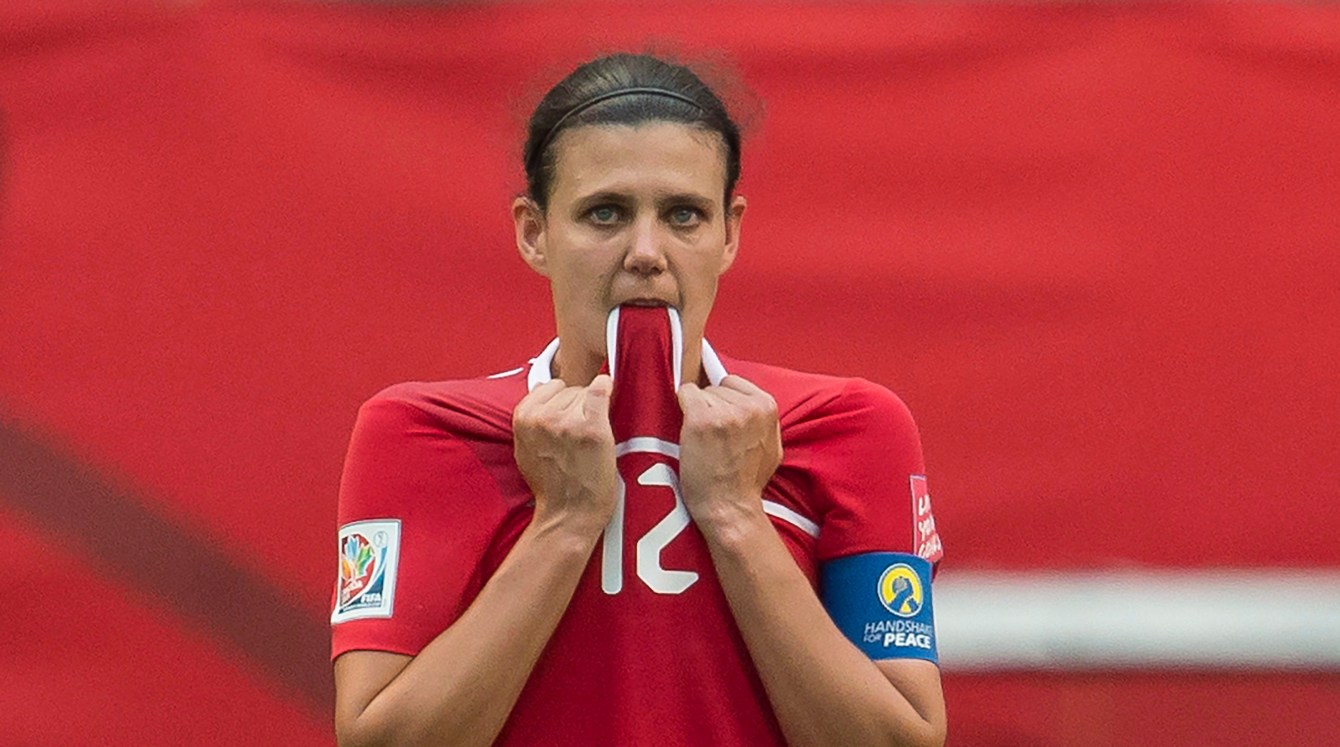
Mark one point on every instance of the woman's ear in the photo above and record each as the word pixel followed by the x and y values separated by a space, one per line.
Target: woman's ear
pixel 528 219
pixel 734 215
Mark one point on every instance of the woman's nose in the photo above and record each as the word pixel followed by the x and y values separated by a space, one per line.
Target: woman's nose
pixel 646 251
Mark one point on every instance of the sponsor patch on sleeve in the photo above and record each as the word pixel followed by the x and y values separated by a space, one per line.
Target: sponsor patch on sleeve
pixel 369 554
pixel 925 540
pixel 882 602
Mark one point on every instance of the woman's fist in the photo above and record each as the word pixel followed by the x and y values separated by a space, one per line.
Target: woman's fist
pixel 728 449
pixel 565 450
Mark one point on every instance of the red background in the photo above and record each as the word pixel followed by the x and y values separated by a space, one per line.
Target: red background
pixel 1095 247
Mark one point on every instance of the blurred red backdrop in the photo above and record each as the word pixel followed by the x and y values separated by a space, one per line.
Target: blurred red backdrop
pixel 1095 247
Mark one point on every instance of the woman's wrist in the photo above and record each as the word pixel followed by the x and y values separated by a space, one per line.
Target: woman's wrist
pixel 728 521
pixel 566 534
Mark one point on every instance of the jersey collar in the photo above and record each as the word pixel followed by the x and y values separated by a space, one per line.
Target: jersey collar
pixel 541 366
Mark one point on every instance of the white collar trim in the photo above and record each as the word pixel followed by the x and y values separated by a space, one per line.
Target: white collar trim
pixel 542 365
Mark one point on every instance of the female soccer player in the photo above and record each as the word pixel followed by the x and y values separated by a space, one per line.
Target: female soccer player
pixel 634 539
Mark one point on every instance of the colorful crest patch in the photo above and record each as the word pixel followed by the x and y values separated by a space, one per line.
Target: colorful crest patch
pixel 369 553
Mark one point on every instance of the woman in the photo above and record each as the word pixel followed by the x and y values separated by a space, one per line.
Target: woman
pixel 621 543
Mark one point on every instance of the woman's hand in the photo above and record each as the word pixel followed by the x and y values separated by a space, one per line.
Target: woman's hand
pixel 728 449
pixel 565 450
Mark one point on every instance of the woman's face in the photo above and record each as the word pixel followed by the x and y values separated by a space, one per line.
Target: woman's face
pixel 635 215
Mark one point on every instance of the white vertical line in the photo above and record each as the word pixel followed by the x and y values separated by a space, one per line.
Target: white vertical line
pixel 612 338
pixel 676 347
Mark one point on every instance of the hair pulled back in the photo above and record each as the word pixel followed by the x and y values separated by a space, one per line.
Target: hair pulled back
pixel 592 95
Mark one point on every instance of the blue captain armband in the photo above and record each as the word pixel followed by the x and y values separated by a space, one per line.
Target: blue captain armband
pixel 882 602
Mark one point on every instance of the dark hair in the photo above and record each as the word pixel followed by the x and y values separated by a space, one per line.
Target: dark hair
pixel 594 94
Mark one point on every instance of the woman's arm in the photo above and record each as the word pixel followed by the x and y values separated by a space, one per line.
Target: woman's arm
pixel 822 688
pixel 461 687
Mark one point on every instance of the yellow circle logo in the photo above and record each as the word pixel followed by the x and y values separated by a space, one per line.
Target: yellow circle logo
pixel 901 591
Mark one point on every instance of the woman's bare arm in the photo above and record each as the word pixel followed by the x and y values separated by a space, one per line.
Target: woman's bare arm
pixel 461 687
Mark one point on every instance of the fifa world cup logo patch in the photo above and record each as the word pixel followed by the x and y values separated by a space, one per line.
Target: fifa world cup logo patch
pixel 361 566
pixel 369 553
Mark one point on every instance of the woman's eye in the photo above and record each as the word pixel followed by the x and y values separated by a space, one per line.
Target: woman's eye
pixel 604 214
pixel 685 216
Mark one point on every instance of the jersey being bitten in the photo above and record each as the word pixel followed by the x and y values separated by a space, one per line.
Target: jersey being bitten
pixel 648 650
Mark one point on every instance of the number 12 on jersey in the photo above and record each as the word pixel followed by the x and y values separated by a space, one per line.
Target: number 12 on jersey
pixel 649 546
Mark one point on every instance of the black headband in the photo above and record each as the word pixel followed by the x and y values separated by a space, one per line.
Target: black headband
pixel 587 104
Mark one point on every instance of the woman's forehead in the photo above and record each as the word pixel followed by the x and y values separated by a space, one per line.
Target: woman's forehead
pixel 653 157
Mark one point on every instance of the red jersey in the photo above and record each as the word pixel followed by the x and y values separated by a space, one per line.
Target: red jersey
pixel 431 501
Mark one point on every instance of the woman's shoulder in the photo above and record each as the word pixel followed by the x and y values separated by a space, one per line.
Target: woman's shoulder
pixel 802 393
pixel 478 406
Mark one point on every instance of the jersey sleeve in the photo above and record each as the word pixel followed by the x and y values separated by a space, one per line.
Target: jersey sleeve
pixel 415 519
pixel 871 479
pixel 877 541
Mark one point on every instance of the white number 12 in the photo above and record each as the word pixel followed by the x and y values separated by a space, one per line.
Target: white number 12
pixel 657 578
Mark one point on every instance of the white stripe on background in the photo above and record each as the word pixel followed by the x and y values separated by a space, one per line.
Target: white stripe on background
pixel 1211 619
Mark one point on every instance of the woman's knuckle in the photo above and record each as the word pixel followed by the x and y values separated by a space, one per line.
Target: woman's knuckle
pixel 581 434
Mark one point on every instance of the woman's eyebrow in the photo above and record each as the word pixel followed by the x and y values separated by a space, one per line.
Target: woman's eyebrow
pixel 680 198
pixel 604 196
